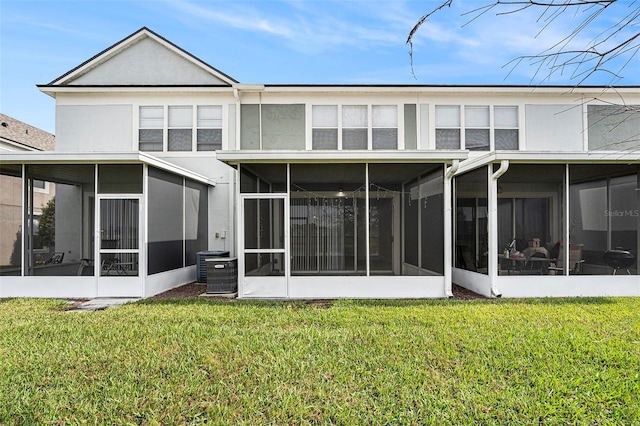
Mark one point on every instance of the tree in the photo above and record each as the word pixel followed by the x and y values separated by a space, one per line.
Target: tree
pixel 610 51
pixel 47 224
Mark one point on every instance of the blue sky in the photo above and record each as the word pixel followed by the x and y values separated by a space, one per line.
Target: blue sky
pixel 282 42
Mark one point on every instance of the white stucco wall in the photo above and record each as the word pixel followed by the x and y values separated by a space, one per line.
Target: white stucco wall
pixel 147 63
pixel 94 128
pixel 554 128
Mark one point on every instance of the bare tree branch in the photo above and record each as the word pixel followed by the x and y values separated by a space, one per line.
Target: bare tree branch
pixel 581 62
pixel 415 28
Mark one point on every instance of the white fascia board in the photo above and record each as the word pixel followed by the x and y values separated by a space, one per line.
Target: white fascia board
pixel 16 145
pixel 534 157
pixel 249 87
pixel 41 157
pixel 53 90
pixel 557 90
pixel 381 156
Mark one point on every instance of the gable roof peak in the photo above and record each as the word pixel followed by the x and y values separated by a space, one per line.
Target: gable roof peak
pixel 135 37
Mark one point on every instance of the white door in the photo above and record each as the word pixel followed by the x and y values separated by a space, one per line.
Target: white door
pixel 119 243
pixel 263 264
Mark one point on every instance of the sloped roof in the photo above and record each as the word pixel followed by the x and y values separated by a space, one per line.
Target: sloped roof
pixel 16 131
pixel 143 58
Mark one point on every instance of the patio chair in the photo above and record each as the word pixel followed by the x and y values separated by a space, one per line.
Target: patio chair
pixel 537 264
pixel 110 262
pixel 575 260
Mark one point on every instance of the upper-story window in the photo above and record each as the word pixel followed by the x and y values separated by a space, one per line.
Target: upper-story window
pixel 476 128
pixel 348 127
pixel 505 123
pixel 324 123
pixel 385 126
pixel 476 132
pixel 180 128
pixel 209 137
pixel 177 130
pixel 150 134
pixel 447 127
pixel 355 123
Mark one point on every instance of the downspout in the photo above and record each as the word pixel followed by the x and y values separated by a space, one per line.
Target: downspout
pixel 493 227
pixel 448 176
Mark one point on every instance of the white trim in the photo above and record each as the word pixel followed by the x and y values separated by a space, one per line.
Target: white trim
pixel 100 158
pixel 538 157
pixel 377 286
pixel 374 156
pixel 596 92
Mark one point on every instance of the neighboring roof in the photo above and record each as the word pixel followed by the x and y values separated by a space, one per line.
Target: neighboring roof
pixel 196 67
pixel 24 135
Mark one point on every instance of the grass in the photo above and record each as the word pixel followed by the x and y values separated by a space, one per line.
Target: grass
pixel 561 361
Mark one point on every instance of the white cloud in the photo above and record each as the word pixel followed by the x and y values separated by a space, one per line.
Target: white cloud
pixel 308 27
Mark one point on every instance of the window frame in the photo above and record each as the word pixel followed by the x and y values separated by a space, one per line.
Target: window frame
pixel 194 126
pixel 439 126
pixel 368 127
pixel 198 127
pixel 493 128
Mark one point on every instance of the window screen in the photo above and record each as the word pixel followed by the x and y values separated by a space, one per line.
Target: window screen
pixel 506 127
pixel 385 126
pixel 209 133
pixel 447 127
pixel 151 124
pixel 476 120
pixel 354 127
pixel 325 127
pixel 180 124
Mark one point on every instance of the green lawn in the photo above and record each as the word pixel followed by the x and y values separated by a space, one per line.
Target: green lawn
pixel 194 361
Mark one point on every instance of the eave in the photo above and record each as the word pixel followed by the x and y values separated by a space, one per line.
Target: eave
pixel 378 156
pixel 547 157
pixel 45 157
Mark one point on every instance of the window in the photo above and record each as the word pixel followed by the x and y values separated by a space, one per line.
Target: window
pixel 477 127
pixel 447 127
pixel 151 128
pixel 476 133
pixel 324 127
pixel 209 137
pixel 356 126
pixel 180 128
pixel 505 122
pixel 385 126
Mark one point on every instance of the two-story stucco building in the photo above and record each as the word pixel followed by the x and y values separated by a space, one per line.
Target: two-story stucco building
pixel 324 191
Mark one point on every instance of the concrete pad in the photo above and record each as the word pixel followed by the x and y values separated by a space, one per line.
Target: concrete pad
pixel 101 303
pixel 221 295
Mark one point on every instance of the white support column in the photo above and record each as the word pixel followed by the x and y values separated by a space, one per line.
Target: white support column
pixel 493 223
pixel 366 227
pixel 448 243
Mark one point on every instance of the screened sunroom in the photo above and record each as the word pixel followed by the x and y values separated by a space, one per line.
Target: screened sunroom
pixel 343 229
pixel 76 226
pixel 547 229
